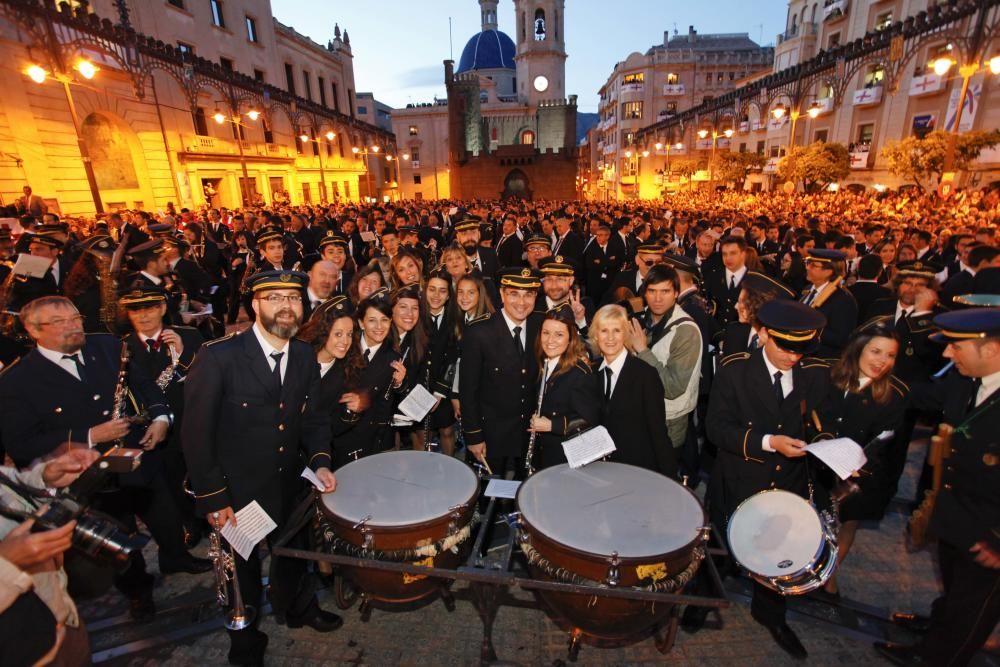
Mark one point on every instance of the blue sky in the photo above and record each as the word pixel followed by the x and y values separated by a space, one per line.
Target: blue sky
pixel 398 50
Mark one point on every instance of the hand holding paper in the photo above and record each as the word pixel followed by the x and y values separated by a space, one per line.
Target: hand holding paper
pixel 843 455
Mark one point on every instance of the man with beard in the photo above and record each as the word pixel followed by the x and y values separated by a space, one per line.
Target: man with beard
pixel 558 287
pixel 251 402
pixel 482 259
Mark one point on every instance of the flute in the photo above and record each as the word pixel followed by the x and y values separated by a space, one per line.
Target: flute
pixel 529 468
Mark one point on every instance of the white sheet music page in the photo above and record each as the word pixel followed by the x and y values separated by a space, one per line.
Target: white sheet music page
pixel 252 525
pixel 418 403
pixel 502 488
pixel 32 266
pixel 843 455
pixel 588 447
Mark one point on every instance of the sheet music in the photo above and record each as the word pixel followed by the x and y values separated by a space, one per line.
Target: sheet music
pixel 502 488
pixel 253 525
pixel 588 447
pixel 367 237
pixel 418 403
pixel 29 265
pixel 843 455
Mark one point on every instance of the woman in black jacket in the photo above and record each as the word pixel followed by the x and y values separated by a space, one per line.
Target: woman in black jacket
pixel 440 363
pixel 571 401
pixel 865 401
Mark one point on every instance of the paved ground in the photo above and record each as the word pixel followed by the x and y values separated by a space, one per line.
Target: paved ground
pixel 880 573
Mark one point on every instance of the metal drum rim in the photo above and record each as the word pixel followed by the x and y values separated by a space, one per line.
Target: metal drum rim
pixel 787 576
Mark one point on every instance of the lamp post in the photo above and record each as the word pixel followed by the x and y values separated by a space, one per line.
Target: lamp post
pixel 237 123
pixel 87 70
pixel 941 67
pixel 368 175
pixel 780 110
pixel 702 133
pixel 330 136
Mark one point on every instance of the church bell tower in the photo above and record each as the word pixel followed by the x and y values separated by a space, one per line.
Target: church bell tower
pixel 541 50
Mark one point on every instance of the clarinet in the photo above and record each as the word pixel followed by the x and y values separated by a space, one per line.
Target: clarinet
pixel 529 467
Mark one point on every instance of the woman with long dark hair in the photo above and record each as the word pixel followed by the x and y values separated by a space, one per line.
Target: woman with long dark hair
pixel 366 282
pixel 865 400
pixel 472 303
pixel 407 268
pixel 334 335
pixel 409 336
pixel 440 365
pixel 571 400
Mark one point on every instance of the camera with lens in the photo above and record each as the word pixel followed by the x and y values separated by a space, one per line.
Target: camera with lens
pixel 97 535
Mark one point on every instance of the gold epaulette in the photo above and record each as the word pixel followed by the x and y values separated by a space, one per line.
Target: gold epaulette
pixel 814 362
pixel 584 366
pixel 481 318
pixel 901 387
pixel 218 340
pixel 728 359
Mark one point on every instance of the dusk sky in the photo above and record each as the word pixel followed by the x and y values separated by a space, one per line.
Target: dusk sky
pixel 399 46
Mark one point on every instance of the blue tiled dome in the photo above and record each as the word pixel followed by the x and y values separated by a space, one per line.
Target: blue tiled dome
pixel 489 49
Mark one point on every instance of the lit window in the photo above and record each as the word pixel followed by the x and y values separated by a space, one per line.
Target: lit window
pixel 413 130
pixel 251 30
pixel 218 19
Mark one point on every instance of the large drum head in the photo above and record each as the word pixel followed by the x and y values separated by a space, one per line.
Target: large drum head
pixel 400 488
pixel 608 507
pixel 775 533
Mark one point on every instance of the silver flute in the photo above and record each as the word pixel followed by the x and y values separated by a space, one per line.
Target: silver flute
pixel 529 466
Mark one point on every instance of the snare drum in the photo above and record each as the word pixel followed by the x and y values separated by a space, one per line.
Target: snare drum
pixel 780 539
pixel 404 506
pixel 610 524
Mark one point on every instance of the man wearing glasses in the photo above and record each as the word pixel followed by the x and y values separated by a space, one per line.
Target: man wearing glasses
pixel 250 412
pixel 63 393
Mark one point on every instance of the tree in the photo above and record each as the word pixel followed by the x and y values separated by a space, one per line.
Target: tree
pixel 684 167
pixel 816 165
pixel 922 160
pixel 735 166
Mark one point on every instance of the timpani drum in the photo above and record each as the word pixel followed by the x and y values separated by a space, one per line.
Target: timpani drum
pixel 406 506
pixel 783 542
pixel 610 524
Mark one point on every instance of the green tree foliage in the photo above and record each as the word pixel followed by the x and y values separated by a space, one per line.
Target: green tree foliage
pixel 816 165
pixel 734 167
pixel 922 160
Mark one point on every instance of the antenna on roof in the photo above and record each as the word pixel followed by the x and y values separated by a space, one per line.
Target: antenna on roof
pixel 761 40
pixel 451 50
pixel 675 27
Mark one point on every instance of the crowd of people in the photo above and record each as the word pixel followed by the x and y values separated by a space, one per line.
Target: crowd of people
pixel 713 335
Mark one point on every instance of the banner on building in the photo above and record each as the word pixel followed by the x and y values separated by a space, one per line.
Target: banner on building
pixel 970 105
pixel 923 124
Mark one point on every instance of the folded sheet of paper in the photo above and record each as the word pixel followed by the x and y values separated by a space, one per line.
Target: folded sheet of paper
pixel 311 477
pixel 418 403
pixel 368 237
pixel 252 525
pixel 29 265
pixel 843 455
pixel 588 447
pixel 501 488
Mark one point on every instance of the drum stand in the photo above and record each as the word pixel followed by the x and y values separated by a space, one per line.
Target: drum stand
pixel 492 572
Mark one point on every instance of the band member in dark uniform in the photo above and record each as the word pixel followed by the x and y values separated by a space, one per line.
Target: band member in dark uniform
pixel 498 374
pixel 755 419
pixel 571 400
pixel 756 290
pixel 409 337
pixel 966 516
pixel 63 391
pixel 441 362
pixel 333 334
pixel 634 411
pixel 382 376
pixel 827 294
pixel 165 354
pixel 252 418
pixel 28 288
pixel 154 271
pixel 865 401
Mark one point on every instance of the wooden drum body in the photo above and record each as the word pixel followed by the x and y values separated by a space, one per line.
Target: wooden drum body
pixel 407 506
pixel 610 524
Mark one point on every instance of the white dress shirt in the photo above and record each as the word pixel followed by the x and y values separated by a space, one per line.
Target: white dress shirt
pixel 510 326
pixel 738 276
pixel 786 389
pixel 990 384
pixel 616 370
pixel 268 349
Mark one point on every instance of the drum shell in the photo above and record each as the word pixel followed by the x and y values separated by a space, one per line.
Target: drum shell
pixel 396 587
pixel 604 617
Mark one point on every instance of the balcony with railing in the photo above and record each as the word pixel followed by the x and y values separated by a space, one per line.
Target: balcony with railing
pixel 799 30
pixel 834 10
pixel 860 152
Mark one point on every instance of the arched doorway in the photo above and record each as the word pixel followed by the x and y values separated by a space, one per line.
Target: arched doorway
pixel 516 186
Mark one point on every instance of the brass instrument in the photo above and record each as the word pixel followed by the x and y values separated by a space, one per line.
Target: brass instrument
pixel 529 466
pixel 251 267
pixel 921 518
pixel 164 378
pixel 7 319
pixel 827 292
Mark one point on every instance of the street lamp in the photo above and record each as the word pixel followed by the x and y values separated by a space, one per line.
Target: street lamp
pixel 330 135
pixel 86 69
pixel 36 74
pixel 779 111
pixel 234 118
pixel 702 134
pixel 941 67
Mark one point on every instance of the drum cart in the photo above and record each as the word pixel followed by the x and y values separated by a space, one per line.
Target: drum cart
pixel 494 568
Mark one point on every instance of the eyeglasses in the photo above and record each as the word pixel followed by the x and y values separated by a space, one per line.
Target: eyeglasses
pixel 275 299
pixel 62 322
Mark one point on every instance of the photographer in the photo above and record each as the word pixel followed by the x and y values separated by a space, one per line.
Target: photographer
pixel 39 623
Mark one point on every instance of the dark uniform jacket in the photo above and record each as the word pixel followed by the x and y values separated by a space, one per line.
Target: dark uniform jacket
pixel 919 357
pixel 42 406
pixel 242 435
pixel 572 401
pixel 509 251
pixel 28 289
pixel 636 418
pixel 717 286
pixel 497 389
pixel 866 294
pixel 743 409
pixel 841 311
pixel 968 506
pixel 154 362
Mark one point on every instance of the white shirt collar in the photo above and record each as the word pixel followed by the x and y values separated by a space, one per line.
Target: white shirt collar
pixel 266 346
pixel 819 288
pixel 312 296
pixel 365 347
pixel 989 385
pixel 786 376
pixel 57 357
pixel 617 364
pixel 155 336
pixel 738 275
pixel 511 323
pixel 153 279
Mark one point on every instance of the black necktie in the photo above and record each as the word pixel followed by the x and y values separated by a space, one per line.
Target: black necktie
pixel 902 315
pixel 152 344
pixel 732 283
pixel 79 365
pixel 976 384
pixel 607 383
pixel 754 342
pixel 277 367
pixel 517 342
pixel 810 296
pixel 368 355
pixel 779 393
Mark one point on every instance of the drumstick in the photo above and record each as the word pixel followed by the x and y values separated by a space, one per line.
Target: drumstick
pixel 482 459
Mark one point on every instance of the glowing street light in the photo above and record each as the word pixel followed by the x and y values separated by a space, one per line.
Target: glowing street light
pixel 355 150
pixel 219 117
pixel 330 135
pixel 942 65
pixel 86 69
pixel 658 145
pixel 814 110
pixel 728 133
pixel 375 149
pixel 702 134
pixel 36 74
pixel 778 112
pixel 253 113
pixel 995 64
pixel 304 137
